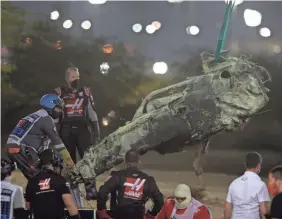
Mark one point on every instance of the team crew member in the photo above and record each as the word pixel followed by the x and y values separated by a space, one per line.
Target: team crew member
pixel 12 199
pixel 133 189
pixel 248 195
pixel 183 206
pixel 33 133
pixel 275 189
pixel 80 122
pixel 48 193
pixel 79 125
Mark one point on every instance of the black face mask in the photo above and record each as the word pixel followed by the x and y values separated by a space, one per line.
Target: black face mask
pixel 56 115
pixel 74 84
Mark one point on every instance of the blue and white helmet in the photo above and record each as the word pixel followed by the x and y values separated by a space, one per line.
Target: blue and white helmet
pixel 50 101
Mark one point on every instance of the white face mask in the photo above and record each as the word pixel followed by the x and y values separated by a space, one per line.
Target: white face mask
pixel 182 205
pixel 182 190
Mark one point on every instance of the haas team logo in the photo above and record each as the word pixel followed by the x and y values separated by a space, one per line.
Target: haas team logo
pixel 75 107
pixel 134 188
pixel 44 184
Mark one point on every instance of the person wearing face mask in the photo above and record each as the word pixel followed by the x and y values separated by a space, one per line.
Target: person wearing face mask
pixel 12 198
pixel 248 196
pixel 33 134
pixel 79 126
pixel 183 206
pixel 275 190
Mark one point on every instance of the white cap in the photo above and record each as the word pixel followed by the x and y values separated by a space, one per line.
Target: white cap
pixel 182 191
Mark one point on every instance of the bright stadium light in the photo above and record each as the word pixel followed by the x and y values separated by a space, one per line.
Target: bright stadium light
pixel 252 17
pixel 97 2
pixel 150 29
pixel 105 122
pixel 192 30
pixel 265 32
pixel 175 1
pixel 54 15
pixel 156 24
pixel 137 28
pixel 86 25
pixel 104 68
pixel 160 68
pixel 67 24
pixel 237 2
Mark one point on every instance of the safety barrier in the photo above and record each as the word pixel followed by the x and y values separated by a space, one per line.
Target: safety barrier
pixel 90 213
pixel 84 214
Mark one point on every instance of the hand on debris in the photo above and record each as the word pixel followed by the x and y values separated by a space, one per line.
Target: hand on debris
pixel 102 214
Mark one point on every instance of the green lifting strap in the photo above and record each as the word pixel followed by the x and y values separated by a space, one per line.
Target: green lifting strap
pixel 224 28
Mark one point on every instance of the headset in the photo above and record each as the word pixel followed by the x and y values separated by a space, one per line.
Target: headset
pixel 56 160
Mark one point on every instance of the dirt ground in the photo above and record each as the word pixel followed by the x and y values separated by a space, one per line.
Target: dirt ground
pixel 221 167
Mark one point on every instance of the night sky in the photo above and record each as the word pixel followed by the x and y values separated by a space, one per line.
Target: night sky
pixel 115 19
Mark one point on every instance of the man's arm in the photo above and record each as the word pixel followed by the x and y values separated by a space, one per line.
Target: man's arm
pixel 162 213
pixel 19 205
pixel 109 186
pixel 49 128
pixel 71 207
pixel 276 210
pixel 57 122
pixel 28 195
pixel 264 199
pixel 202 213
pixel 92 115
pixel 156 196
pixel 228 204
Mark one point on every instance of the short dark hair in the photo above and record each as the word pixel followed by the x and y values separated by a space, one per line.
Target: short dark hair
pixel 132 156
pixel 276 172
pixel 46 157
pixel 252 160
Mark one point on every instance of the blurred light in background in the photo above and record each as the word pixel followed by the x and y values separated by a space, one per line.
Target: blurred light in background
pixel 97 2
pixel 27 41
pixel 54 15
pixel 105 122
pixel 252 18
pixel 276 49
pixel 192 30
pixel 237 2
pixel 112 114
pixel 67 24
pixel 150 29
pixel 137 28
pixel 175 1
pixel 160 68
pixel 156 24
pixel 4 51
pixel 108 48
pixel 86 25
pixel 58 45
pixel 265 32
pixel 104 68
